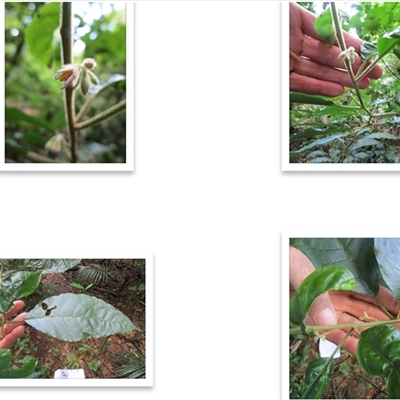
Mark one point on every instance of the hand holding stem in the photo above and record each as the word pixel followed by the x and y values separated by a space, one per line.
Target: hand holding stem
pixel 338 311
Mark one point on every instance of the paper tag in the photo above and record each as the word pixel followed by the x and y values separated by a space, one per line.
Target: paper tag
pixel 326 349
pixel 69 374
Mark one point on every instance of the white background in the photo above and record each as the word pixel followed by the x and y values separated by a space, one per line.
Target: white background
pixel 207 198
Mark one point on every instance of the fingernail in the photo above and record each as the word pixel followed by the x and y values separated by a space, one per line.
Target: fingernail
pixel 326 317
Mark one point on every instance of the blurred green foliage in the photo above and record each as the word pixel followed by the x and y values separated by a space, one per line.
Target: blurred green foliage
pixel 34 103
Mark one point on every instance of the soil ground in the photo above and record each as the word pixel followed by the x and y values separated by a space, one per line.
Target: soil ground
pixel 100 358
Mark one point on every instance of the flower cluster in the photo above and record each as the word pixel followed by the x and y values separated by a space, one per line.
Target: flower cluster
pixel 78 74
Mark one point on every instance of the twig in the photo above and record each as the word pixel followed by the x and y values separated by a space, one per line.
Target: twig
pixel 102 116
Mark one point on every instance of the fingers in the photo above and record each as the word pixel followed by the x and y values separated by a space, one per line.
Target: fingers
pixel 18 306
pixel 322 311
pixel 10 338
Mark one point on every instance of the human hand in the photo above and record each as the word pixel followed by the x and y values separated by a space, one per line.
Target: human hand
pixel 340 307
pixel 13 330
pixel 314 63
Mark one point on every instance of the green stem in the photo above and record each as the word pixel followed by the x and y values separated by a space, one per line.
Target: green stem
pixel 342 45
pixel 67 58
pixel 343 326
pixel 102 116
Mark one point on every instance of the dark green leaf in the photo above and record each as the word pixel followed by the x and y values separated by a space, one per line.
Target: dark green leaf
pixel 317 283
pixel 324 28
pixel 15 116
pixel 356 254
pixel 378 353
pixel 77 315
pixel 310 132
pixel 9 371
pixel 368 50
pixel 387 252
pixel 317 377
pixel 40 33
pixel 20 284
pixel 308 99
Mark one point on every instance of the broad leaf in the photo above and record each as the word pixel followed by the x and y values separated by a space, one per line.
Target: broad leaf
pixel 317 377
pixel 317 283
pixel 48 265
pixel 324 28
pixel 52 266
pixel 388 42
pixel 356 254
pixel 19 284
pixel 378 353
pixel 387 252
pixel 40 32
pixel 8 371
pixel 71 317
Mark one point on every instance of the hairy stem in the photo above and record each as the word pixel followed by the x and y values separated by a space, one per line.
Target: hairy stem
pixel 342 44
pixel 67 58
pixel 342 326
pixel 102 116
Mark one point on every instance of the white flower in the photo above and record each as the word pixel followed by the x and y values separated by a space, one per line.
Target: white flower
pixel 78 74
pixel 348 54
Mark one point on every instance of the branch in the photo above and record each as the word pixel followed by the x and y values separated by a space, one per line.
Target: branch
pixel 102 116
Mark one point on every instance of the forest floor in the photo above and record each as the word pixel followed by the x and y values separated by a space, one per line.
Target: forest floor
pixel 347 381
pixel 102 357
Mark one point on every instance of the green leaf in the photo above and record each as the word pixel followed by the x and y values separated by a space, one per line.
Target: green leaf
pixel 77 286
pixel 368 50
pixel 320 142
pixel 9 371
pixel 52 266
pixel 76 316
pixel 324 28
pixel 308 99
pixel 387 252
pixel 317 283
pixel 356 254
pixel 19 284
pixel 39 34
pixel 15 116
pixel 383 135
pixel 378 353
pixel 388 42
pixel 364 142
pixel 310 132
pixel 317 377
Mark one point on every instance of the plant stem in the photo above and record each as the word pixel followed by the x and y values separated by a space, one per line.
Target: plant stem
pixel 103 115
pixel 342 44
pixel 342 326
pixel 67 58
